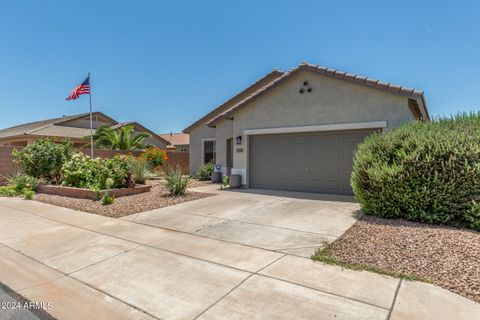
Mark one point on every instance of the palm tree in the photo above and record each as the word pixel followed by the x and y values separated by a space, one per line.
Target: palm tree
pixel 121 138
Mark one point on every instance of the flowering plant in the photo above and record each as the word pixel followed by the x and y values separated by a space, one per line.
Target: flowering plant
pixel 82 172
pixel 155 156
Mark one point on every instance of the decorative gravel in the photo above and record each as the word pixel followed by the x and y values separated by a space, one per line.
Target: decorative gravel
pixel 194 183
pixel 158 197
pixel 445 256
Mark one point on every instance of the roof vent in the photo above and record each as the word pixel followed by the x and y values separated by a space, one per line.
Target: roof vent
pixel 305 87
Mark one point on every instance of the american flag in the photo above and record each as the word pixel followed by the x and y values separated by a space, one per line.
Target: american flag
pixel 83 88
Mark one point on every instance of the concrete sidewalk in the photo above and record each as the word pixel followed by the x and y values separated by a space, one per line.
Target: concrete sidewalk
pixel 94 267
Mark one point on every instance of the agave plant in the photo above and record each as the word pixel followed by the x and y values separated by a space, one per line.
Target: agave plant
pixel 122 138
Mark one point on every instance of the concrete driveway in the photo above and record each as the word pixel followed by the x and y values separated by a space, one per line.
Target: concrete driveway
pixel 191 267
pixel 288 222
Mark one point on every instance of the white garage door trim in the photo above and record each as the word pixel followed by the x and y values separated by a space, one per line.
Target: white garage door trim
pixel 317 128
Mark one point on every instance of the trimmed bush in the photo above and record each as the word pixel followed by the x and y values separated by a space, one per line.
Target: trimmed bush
pixel 175 180
pixel 82 172
pixel 427 172
pixel 204 172
pixel 44 159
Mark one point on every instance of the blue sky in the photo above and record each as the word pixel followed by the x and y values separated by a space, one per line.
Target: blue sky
pixel 165 64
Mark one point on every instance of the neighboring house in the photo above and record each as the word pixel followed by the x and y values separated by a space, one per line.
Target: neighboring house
pixel 177 141
pixel 298 130
pixel 75 127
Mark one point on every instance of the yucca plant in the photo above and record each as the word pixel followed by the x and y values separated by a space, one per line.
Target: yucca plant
pixel 176 181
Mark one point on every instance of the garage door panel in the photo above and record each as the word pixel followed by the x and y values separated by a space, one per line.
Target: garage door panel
pixel 312 162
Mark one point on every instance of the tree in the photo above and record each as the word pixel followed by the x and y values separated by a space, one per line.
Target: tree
pixel 122 138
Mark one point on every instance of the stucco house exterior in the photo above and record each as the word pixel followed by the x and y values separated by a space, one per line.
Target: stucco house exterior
pixel 298 130
pixel 75 127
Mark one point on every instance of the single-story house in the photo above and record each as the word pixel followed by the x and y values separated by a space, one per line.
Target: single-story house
pixel 75 127
pixel 298 130
pixel 177 141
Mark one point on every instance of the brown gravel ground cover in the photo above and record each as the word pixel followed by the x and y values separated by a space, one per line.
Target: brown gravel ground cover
pixel 197 183
pixel 445 256
pixel 158 197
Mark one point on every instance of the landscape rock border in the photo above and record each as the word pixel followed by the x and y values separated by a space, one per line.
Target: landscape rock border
pixel 83 193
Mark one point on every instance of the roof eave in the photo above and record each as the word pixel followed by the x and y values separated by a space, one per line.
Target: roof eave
pixel 340 75
pixel 206 118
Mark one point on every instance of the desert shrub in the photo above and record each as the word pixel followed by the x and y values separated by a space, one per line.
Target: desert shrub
pixel 473 215
pixel 140 168
pixel 155 156
pixel 7 191
pixel 427 172
pixel 204 172
pixel 20 181
pixel 28 194
pixel 82 172
pixel 107 199
pixel 44 159
pixel 176 181
pixel 225 181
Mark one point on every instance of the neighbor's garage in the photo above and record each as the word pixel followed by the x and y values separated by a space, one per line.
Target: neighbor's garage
pixel 312 162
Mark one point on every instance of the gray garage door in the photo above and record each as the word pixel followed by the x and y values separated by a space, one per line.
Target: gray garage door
pixel 311 162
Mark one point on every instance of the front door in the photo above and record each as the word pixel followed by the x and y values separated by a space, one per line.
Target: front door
pixel 229 156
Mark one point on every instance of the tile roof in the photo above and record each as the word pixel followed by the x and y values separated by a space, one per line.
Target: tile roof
pixel 55 128
pixel 61 131
pixel 25 128
pixel 176 139
pixel 354 78
pixel 238 97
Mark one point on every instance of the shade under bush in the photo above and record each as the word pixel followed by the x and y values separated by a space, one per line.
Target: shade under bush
pixel 428 172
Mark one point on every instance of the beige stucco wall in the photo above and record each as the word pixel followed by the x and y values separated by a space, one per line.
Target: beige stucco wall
pixel 198 133
pixel 332 101
pixel 224 131
pixel 153 141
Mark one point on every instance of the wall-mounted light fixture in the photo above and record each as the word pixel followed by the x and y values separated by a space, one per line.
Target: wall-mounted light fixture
pixel 239 140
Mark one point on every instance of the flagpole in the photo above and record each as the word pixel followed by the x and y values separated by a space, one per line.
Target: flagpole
pixel 91 118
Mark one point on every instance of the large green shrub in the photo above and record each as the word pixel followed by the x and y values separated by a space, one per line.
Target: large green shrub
pixel 204 172
pixel 82 172
pixel 428 172
pixel 44 159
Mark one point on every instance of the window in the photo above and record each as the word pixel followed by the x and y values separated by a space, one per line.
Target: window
pixel 209 151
